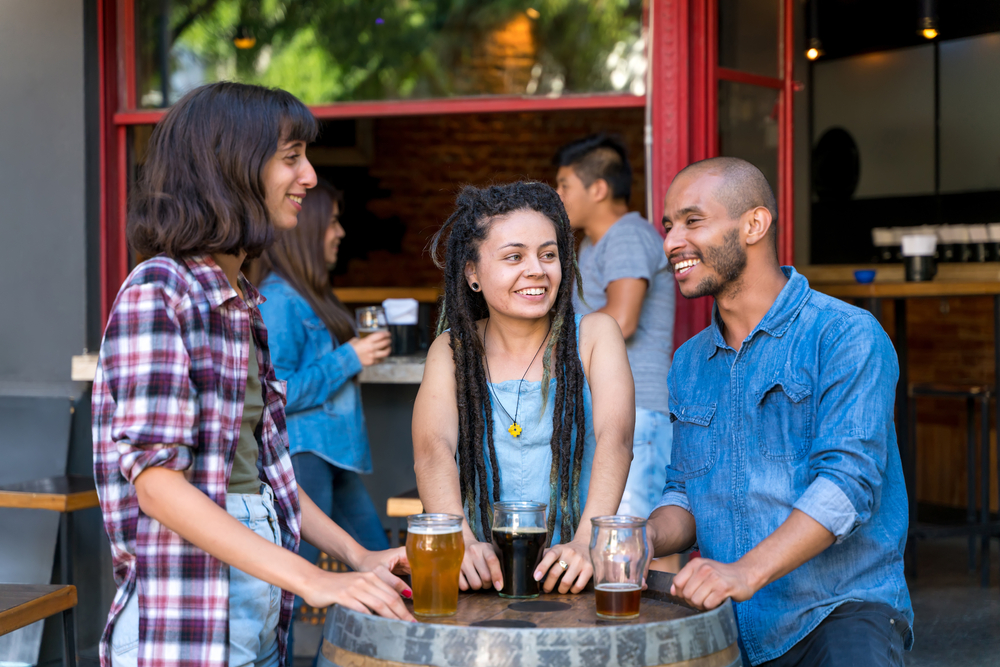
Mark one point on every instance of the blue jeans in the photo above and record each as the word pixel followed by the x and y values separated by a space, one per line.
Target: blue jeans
pixel 855 634
pixel 254 605
pixel 650 456
pixel 342 496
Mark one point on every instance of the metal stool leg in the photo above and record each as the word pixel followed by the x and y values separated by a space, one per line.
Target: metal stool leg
pixel 69 619
pixel 910 480
pixel 984 493
pixel 970 455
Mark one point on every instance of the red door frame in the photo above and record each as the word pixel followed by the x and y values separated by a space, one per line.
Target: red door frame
pixel 685 117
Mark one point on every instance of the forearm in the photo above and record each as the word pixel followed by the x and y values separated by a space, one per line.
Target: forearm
pixel 799 539
pixel 323 533
pixel 438 483
pixel 167 496
pixel 671 529
pixel 612 458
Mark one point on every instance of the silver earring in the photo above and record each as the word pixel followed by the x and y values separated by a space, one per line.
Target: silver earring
pixel 474 286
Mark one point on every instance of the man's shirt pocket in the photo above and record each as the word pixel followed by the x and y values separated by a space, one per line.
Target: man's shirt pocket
pixel 785 418
pixel 696 441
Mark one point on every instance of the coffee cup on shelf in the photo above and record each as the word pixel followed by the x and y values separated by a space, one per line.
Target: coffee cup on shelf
pixel 979 238
pixel 993 247
pixel 918 256
pixel 885 244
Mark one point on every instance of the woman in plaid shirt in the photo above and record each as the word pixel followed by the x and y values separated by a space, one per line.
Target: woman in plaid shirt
pixel 190 446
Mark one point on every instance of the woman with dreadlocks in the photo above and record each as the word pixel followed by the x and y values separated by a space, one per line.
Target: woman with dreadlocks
pixel 536 402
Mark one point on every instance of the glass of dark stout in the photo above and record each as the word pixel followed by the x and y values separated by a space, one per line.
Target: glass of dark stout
pixel 619 552
pixel 520 535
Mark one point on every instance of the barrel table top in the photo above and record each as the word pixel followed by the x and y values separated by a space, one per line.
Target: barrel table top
pixel 552 629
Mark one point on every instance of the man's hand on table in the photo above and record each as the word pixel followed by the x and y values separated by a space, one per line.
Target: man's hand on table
pixel 575 575
pixel 705 583
pixel 480 567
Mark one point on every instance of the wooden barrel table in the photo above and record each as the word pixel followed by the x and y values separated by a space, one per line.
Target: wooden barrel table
pixel 551 630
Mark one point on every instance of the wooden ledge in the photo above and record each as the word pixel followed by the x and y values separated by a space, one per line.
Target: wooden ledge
pixel 59 494
pixel 23 604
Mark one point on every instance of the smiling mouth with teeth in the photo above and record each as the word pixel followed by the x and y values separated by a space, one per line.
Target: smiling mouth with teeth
pixel 297 200
pixel 531 291
pixel 686 265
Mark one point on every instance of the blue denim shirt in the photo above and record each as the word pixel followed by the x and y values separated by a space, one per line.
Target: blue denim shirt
pixel 324 402
pixel 800 417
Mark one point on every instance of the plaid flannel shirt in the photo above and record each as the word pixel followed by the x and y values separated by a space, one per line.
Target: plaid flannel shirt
pixel 169 392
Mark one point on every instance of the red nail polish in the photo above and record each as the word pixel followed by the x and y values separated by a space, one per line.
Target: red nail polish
pixel 407 594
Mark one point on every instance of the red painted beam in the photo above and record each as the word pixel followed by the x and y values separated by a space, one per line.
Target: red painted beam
pixel 680 117
pixel 786 139
pixel 458 105
pixel 726 74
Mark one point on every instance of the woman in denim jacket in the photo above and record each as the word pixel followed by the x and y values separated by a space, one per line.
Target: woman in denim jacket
pixel 314 349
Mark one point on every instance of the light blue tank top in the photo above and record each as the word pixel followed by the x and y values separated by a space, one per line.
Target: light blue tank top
pixel 526 461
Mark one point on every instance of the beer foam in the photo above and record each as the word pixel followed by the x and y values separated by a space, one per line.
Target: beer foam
pixel 521 529
pixel 617 588
pixel 434 530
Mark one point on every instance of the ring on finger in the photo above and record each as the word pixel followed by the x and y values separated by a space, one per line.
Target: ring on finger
pixel 564 565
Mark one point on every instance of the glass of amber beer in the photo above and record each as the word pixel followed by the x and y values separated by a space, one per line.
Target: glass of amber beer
pixel 619 552
pixel 520 534
pixel 434 547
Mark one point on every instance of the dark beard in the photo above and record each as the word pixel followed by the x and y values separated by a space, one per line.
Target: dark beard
pixel 728 259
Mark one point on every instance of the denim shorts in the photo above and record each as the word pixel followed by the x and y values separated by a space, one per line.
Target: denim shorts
pixel 650 456
pixel 254 605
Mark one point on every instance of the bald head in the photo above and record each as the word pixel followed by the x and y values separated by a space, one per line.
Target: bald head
pixel 743 186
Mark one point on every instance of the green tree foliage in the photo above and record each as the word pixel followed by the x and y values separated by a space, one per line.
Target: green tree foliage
pixel 327 51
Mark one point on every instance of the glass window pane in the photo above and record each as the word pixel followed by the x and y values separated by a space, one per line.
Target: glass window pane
pixel 327 51
pixel 885 101
pixel 748 35
pixel 748 126
pixel 970 97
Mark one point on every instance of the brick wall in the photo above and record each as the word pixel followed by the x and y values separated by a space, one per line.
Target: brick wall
pixel 423 162
pixel 951 342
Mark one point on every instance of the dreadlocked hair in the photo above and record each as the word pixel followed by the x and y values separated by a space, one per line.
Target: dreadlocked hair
pixel 460 237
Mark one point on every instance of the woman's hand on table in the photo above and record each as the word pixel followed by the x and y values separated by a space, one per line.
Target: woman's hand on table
pixel 392 560
pixel 576 574
pixel 364 592
pixel 480 567
pixel 373 348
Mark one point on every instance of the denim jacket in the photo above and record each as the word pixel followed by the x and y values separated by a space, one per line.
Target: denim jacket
pixel 324 402
pixel 800 417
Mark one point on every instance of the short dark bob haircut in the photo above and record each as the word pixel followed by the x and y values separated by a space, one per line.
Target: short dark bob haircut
pixel 202 189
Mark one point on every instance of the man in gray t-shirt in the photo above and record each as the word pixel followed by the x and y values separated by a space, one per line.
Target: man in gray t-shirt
pixel 625 275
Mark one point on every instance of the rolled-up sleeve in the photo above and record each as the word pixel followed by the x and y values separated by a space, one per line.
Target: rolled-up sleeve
pixel 148 371
pixel 674 497
pixel 854 425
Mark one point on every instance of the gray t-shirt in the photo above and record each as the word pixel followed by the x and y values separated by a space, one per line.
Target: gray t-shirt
pixel 631 248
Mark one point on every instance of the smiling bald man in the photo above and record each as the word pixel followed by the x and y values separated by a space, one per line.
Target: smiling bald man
pixel 785 470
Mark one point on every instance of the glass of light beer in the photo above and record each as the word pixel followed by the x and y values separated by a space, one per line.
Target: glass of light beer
pixel 619 552
pixel 435 548
pixel 369 320
pixel 520 534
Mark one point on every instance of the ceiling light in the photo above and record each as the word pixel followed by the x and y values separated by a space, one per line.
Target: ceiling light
pixel 928 19
pixel 815 49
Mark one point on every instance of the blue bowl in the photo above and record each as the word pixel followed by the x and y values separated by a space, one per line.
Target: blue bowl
pixel 864 276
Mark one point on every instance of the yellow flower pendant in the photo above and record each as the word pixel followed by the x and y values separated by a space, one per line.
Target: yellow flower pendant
pixel 514 430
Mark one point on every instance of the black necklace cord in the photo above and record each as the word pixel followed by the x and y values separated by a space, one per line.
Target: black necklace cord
pixel 489 377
